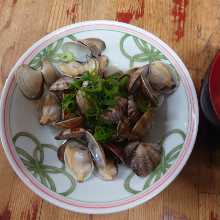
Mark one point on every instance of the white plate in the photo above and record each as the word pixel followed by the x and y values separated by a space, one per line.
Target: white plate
pixel 21 134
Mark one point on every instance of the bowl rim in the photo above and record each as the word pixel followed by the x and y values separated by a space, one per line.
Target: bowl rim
pixel 134 200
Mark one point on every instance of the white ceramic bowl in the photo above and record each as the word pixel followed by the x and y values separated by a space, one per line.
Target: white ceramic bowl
pixel 31 148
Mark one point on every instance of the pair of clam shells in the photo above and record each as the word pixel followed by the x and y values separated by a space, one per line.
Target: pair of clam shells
pixel 142 157
pixel 88 57
pixel 81 159
pixel 156 80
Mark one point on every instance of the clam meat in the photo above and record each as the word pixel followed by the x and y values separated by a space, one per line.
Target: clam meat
pixel 78 160
pixel 80 51
pixel 83 50
pixel 94 147
pixel 51 110
pixel 74 69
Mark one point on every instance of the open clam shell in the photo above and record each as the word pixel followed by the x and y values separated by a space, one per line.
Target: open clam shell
pixel 95 45
pixel 61 84
pixel 80 51
pixel 141 126
pixel 75 122
pixel 85 49
pixel 96 151
pixel 51 110
pixel 155 97
pixel 94 147
pixel 74 69
pixel 162 78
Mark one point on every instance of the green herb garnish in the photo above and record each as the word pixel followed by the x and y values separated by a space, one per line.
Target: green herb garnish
pixel 103 132
pixel 69 103
pixel 101 94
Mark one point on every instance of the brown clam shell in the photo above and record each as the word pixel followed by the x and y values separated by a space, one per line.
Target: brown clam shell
pixel 49 73
pixel 29 81
pixel 75 122
pixel 142 126
pixel 142 158
pixel 61 84
pixel 51 110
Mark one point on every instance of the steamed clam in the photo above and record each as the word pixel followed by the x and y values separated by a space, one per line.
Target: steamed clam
pixel 115 114
pixel 154 96
pixel 96 150
pixel 116 152
pixel 78 160
pixel 102 114
pixel 156 80
pixel 29 81
pixel 133 113
pixel 51 110
pixel 70 133
pixel 134 79
pixel 162 78
pixel 93 146
pixel 75 122
pixel 123 130
pixel 49 73
pixel 141 126
pixel 82 101
pixel 103 63
pixel 109 172
pixel 85 49
pixel 74 69
pixel 80 52
pixel 142 158
pixel 95 45
pixel 106 168
pixel 61 84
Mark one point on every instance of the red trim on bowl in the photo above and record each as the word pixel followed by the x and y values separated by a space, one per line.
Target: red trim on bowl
pixel 40 187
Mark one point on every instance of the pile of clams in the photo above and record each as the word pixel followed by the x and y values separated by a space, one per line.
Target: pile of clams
pixel 82 154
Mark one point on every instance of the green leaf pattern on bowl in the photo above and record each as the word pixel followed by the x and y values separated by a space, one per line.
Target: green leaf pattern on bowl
pixel 35 163
pixel 148 53
pixel 52 55
pixel 167 160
